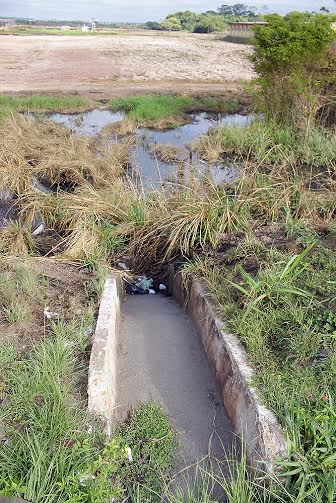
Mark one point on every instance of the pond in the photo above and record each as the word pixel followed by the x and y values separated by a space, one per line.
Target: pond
pixel 148 167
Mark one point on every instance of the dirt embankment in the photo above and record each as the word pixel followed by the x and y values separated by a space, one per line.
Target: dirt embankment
pixel 121 64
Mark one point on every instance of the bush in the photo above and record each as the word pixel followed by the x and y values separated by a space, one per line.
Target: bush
pixel 295 66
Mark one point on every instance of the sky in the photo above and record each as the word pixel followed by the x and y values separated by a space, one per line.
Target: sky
pixel 137 10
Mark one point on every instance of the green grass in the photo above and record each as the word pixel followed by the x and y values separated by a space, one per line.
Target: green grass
pixel 152 108
pixel 46 453
pixel 43 104
pixel 17 286
pixel 284 313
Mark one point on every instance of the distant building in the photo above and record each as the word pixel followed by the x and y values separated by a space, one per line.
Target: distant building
pixel 7 22
pixel 243 29
pixel 65 28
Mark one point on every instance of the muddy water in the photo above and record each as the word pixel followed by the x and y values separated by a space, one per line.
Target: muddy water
pixel 143 164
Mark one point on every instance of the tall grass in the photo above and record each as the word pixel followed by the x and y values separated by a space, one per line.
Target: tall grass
pixel 284 313
pixel 46 452
pixel 42 417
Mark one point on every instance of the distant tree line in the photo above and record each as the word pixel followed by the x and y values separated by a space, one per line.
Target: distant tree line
pixel 206 22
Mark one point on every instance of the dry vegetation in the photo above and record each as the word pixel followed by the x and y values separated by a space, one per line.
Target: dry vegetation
pixel 167 153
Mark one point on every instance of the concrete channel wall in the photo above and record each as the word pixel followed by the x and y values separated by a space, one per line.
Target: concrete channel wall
pixel 263 435
pixel 103 361
pixel 258 426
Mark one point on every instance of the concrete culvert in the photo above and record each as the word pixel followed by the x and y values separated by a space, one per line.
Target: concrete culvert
pixel 149 348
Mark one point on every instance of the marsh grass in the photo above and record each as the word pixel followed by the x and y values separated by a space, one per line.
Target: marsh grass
pixel 48 152
pixel 167 153
pixel 268 143
pixel 146 109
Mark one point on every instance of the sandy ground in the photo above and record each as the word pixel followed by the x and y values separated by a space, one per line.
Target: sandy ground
pixel 123 64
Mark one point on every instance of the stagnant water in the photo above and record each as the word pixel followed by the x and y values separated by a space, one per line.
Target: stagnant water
pixel 145 166
pixel 149 169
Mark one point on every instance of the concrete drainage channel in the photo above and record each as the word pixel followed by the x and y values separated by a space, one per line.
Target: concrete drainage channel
pixel 173 350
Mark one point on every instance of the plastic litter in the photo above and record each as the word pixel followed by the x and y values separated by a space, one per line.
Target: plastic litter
pixel 49 314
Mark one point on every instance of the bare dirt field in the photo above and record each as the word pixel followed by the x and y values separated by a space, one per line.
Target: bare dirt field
pixel 121 64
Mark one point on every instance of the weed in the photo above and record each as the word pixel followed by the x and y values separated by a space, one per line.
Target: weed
pixel 267 142
pixel 311 468
pixel 271 287
pixel 14 313
pixel 17 285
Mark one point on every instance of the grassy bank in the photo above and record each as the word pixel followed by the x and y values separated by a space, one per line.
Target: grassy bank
pixel 69 104
pixel 274 288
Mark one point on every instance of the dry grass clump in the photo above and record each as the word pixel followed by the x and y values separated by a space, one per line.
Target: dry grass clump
pixel 209 147
pixel 125 127
pixel 16 240
pixel 49 152
pixel 166 152
pixel 98 224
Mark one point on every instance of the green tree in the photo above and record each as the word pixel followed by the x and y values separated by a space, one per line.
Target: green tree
pixel 187 19
pixel 295 66
pixel 207 23
pixel 237 10
pixel 171 24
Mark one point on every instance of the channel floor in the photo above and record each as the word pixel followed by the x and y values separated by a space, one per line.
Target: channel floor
pixel 160 358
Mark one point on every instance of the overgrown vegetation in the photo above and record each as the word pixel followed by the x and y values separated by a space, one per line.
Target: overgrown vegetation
pixel 294 93
pixel 296 68
pixel 267 143
pixel 265 245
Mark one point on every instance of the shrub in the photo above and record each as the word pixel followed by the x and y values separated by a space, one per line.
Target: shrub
pixel 295 66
